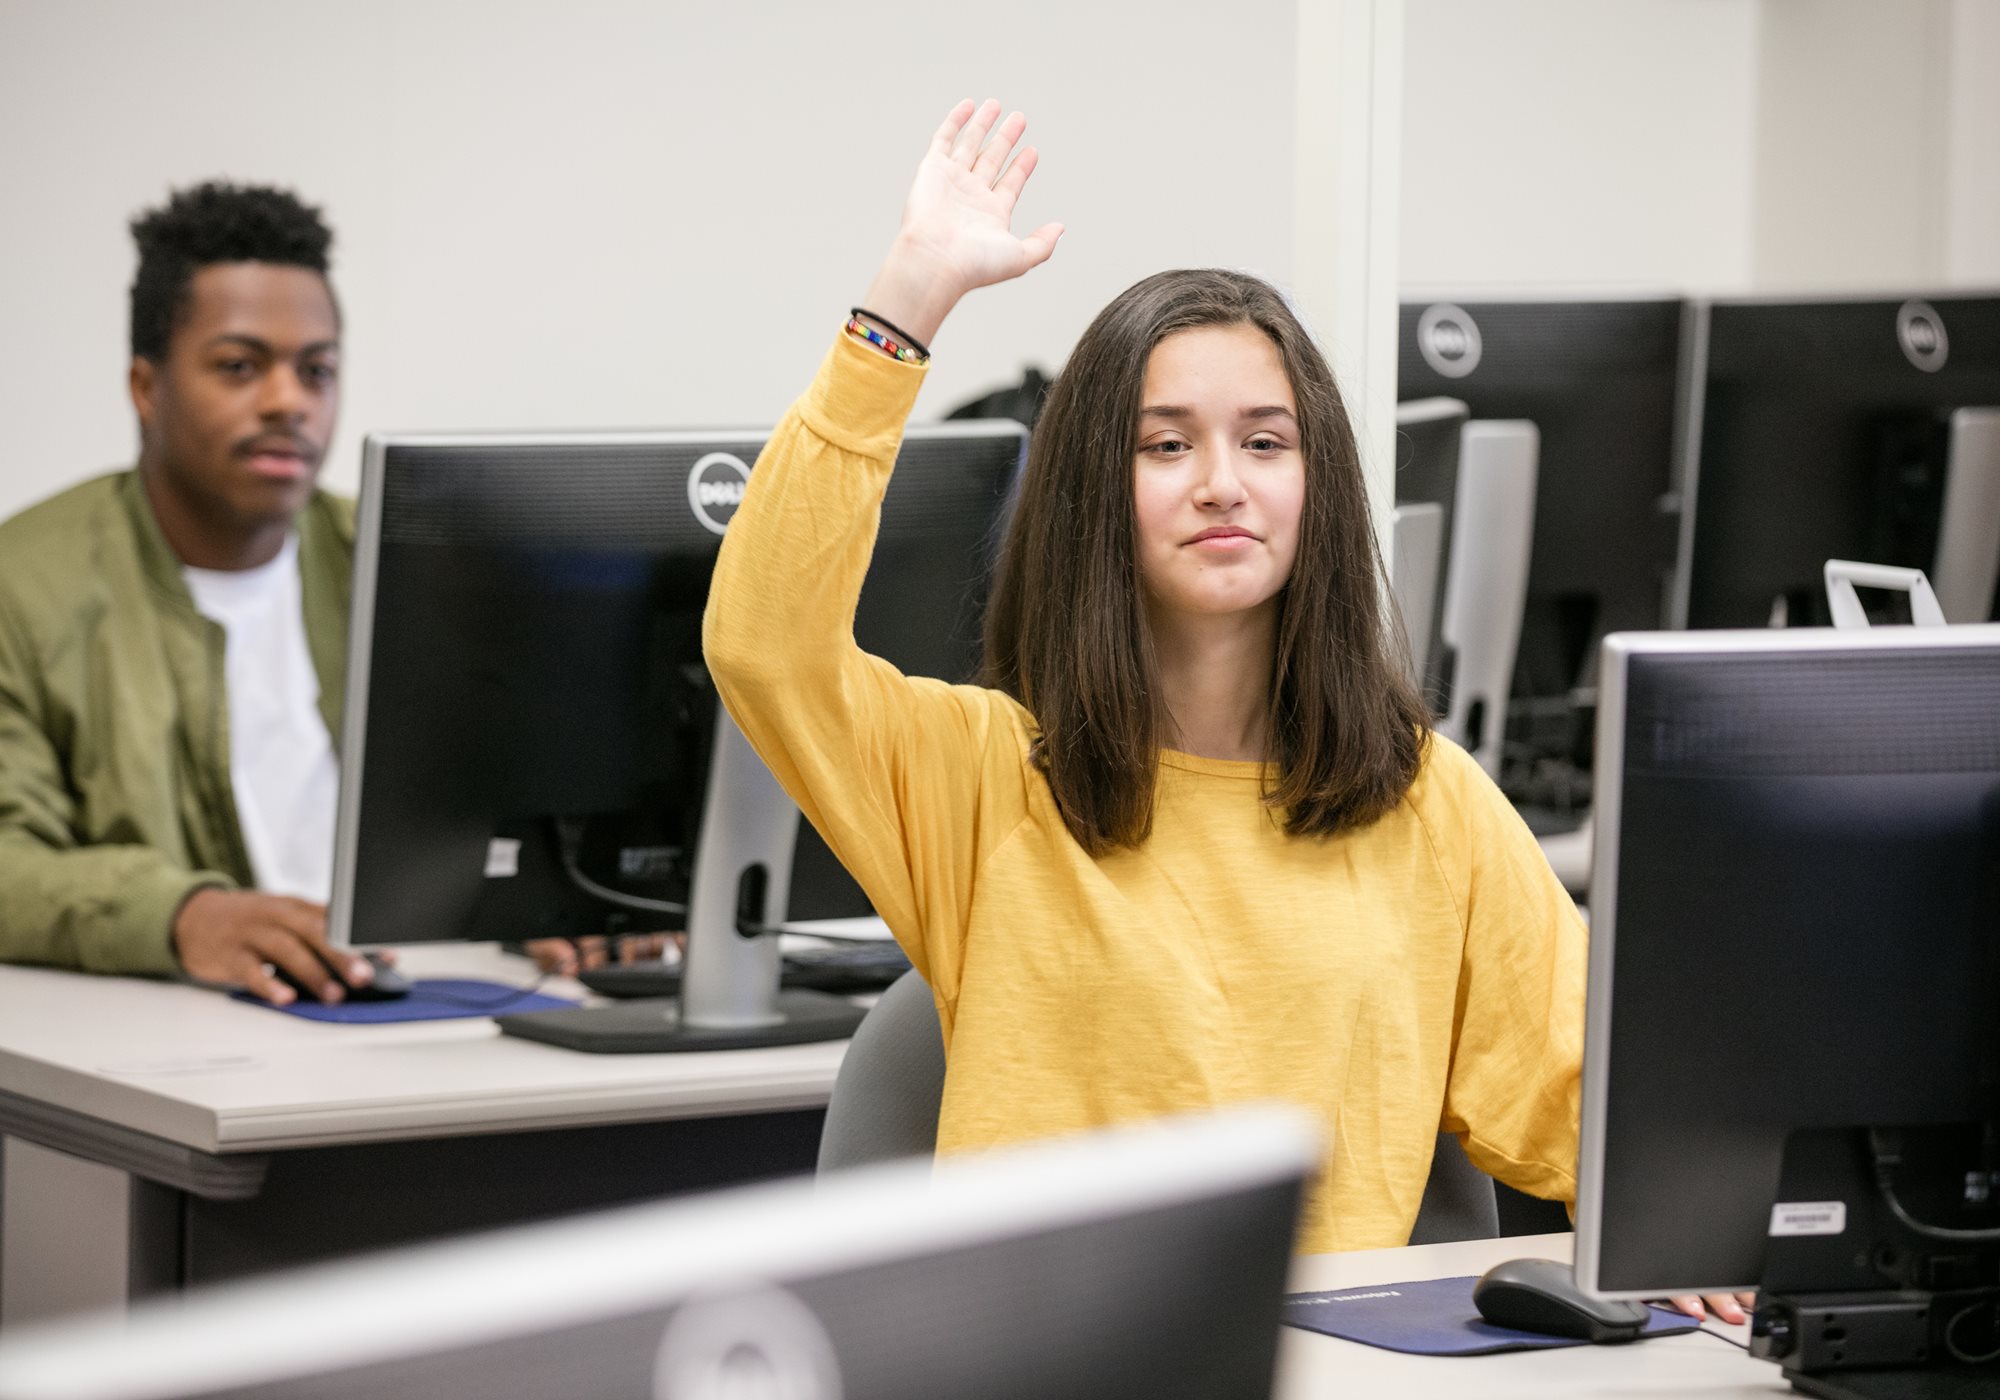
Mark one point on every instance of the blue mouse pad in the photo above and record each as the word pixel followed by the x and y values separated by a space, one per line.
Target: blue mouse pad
pixel 430 999
pixel 1433 1318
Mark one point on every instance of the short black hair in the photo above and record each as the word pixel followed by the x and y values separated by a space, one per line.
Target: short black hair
pixel 215 222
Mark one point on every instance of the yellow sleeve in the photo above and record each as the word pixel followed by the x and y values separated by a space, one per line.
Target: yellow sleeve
pixel 1517 1051
pixel 906 778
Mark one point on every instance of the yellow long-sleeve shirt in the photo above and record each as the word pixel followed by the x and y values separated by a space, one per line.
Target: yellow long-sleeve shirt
pixel 1423 972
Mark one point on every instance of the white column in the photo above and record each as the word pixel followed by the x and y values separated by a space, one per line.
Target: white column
pixel 1348 188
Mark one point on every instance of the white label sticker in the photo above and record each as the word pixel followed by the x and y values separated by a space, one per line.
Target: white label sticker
pixel 503 858
pixel 1809 1218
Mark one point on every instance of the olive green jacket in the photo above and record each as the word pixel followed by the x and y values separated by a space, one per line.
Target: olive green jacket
pixel 115 798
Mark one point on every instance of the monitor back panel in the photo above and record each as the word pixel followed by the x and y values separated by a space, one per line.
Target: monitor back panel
pixel 1802 933
pixel 534 657
pixel 1600 380
pixel 1824 436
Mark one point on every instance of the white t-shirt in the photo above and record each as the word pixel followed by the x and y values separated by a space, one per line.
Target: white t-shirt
pixel 281 761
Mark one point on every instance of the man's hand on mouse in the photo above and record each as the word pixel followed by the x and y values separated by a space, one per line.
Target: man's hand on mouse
pixel 567 957
pixel 1727 1307
pixel 239 937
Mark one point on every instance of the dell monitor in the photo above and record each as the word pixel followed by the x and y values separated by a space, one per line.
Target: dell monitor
pixel 532 745
pixel 1793 1022
pixel 1603 382
pixel 1844 428
pixel 1144 1263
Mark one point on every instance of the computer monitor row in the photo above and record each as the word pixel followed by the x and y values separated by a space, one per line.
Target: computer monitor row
pixel 1791 1081
pixel 1700 460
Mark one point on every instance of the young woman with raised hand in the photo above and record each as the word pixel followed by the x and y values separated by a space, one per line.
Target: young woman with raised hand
pixel 1191 842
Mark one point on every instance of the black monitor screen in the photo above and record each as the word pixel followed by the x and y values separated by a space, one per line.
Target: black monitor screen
pixel 1825 436
pixel 529 694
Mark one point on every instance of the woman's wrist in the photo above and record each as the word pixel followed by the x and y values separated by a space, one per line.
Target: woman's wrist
pixel 913 291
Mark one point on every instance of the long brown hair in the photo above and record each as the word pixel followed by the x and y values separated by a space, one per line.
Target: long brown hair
pixel 1065 625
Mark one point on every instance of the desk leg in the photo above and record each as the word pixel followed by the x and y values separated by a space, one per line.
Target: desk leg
pixel 76 1235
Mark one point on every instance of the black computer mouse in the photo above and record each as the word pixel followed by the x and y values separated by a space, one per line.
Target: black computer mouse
pixel 1540 1295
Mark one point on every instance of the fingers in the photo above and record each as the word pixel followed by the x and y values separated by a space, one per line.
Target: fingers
pixel 642 947
pixel 947 131
pixel 282 947
pixel 994 154
pixel 557 955
pixel 255 976
pixel 1726 1307
pixel 1009 184
pixel 307 922
pixel 972 135
pixel 1040 244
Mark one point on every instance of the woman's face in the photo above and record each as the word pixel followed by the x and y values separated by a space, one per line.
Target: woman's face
pixel 1219 477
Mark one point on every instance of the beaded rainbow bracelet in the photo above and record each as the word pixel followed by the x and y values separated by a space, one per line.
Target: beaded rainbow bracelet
pixel 908 354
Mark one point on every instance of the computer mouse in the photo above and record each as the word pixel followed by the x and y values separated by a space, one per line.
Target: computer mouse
pixel 389 984
pixel 1540 1295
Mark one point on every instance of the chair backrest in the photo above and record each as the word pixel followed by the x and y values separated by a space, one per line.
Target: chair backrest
pixel 885 1105
pixel 1416 571
pixel 885 1098
pixel 1486 589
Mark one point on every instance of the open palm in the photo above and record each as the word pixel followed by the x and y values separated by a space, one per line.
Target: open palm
pixel 962 201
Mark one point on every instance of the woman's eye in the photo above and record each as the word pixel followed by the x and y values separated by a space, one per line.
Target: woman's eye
pixel 1172 447
pixel 319 374
pixel 1265 444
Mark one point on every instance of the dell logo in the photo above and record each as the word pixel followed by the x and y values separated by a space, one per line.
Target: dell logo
pixel 751 1343
pixel 1448 339
pixel 715 489
pixel 1920 331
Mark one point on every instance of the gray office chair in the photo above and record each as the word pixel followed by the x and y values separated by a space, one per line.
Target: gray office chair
pixel 885 1105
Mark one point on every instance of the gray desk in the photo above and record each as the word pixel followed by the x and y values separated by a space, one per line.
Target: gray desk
pixel 158 1135
pixel 1693 1367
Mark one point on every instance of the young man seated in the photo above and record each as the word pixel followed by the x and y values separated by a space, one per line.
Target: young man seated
pixel 172 637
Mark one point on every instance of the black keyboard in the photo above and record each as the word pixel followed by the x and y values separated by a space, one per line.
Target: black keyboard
pixel 844 968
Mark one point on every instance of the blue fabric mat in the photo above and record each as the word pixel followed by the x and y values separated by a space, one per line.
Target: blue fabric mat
pixel 1433 1318
pixel 430 999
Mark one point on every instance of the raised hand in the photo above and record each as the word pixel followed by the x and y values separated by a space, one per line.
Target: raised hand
pixel 956 232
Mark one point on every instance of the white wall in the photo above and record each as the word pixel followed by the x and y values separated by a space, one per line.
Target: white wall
pixel 1704 145
pixel 1853 125
pixel 1574 143
pixel 1972 164
pixel 598 214
pixel 631 213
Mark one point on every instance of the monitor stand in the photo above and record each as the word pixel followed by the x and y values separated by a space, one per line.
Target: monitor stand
pixel 729 986
pixel 1855 1305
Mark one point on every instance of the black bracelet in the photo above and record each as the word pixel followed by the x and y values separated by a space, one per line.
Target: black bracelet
pixel 890 326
